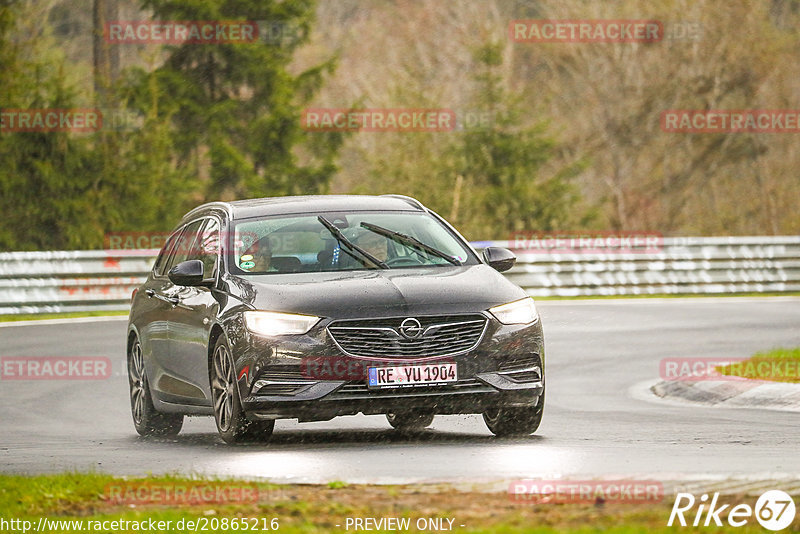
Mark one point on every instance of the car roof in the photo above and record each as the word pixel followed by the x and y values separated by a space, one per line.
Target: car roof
pixel 259 207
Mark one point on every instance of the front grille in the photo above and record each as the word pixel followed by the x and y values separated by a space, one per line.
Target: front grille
pixel 441 336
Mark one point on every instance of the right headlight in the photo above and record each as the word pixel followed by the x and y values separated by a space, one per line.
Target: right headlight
pixel 268 323
pixel 521 311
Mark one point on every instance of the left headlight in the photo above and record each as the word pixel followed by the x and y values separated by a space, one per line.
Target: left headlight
pixel 278 324
pixel 518 312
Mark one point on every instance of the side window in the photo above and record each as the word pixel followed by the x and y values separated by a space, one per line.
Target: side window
pixel 160 267
pixel 207 247
pixel 185 245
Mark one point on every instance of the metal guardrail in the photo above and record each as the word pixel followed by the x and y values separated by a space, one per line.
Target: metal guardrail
pixel 45 282
pixel 51 282
pixel 681 266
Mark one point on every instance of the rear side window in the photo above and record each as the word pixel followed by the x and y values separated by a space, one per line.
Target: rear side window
pixel 163 258
pixel 185 245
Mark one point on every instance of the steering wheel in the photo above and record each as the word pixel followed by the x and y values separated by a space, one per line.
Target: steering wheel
pixel 403 260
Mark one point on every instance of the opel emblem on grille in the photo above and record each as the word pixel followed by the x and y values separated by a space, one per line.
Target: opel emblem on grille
pixel 410 328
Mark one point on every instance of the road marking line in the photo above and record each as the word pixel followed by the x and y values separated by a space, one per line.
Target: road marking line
pixel 47 322
pixel 623 301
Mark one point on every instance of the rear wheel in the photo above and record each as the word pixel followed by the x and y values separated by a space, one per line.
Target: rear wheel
pixel 147 420
pixel 514 421
pixel 409 422
pixel 232 424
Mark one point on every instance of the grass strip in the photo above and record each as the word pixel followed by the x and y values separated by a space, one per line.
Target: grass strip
pixel 313 508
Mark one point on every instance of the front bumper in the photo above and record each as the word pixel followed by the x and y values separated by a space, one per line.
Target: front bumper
pixel 321 401
pixel 506 368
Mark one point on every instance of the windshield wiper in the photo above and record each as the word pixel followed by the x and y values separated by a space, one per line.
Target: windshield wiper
pixel 411 242
pixel 349 245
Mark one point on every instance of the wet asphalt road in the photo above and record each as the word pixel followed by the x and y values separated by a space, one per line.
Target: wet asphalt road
pixel 599 419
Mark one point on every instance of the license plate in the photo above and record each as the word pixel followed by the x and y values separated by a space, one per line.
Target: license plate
pixel 412 375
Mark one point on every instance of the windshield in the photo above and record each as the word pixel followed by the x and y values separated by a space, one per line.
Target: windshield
pixel 303 243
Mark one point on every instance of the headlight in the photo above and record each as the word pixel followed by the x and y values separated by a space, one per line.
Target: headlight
pixel 517 312
pixel 277 324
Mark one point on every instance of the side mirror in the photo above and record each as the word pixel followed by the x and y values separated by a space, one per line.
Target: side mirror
pixel 501 259
pixel 187 273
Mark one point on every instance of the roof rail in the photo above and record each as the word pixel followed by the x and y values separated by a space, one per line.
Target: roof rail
pixel 413 201
pixel 209 205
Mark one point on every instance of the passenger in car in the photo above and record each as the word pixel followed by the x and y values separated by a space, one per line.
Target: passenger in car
pixel 375 244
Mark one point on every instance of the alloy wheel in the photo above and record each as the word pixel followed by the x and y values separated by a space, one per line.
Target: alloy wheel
pixel 137 381
pixel 223 387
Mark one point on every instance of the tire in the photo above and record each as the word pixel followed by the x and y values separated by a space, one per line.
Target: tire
pixel 409 422
pixel 503 422
pixel 229 416
pixel 147 420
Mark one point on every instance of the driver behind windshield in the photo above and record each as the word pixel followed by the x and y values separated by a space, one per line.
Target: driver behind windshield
pixel 374 244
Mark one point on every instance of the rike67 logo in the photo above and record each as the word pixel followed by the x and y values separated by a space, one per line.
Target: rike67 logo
pixel 774 510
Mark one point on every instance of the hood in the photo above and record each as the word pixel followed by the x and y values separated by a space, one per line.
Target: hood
pixel 378 293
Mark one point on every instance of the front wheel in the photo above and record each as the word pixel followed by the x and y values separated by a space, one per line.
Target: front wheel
pixel 409 422
pixel 232 424
pixel 514 421
pixel 147 420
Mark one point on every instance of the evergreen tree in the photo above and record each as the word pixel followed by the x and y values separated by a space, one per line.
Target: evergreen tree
pixel 502 163
pixel 235 108
pixel 48 185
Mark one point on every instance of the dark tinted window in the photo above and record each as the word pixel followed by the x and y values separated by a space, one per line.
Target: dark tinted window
pixel 206 248
pixel 160 267
pixel 185 244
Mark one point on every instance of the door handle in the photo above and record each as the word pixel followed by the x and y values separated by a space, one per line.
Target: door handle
pixel 174 301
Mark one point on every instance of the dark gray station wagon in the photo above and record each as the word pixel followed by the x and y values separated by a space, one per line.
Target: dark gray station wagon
pixel 315 307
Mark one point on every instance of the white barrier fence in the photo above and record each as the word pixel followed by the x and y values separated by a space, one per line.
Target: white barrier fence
pixel 43 282
pixel 49 282
pixel 680 266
